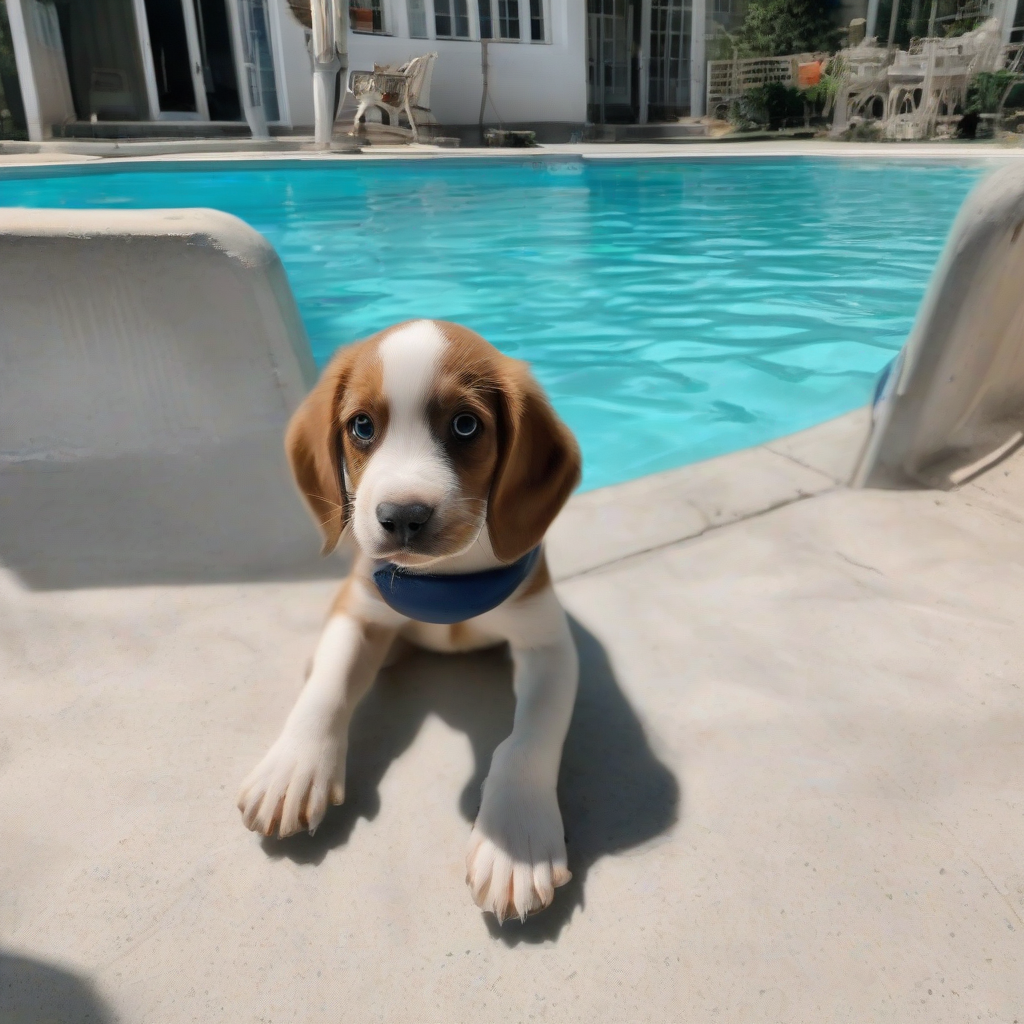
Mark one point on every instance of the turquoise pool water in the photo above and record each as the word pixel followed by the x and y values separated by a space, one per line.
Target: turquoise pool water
pixel 673 310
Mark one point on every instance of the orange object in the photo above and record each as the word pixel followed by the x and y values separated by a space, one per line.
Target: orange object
pixel 809 74
pixel 362 19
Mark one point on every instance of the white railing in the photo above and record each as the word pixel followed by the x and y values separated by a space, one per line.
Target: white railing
pixel 728 80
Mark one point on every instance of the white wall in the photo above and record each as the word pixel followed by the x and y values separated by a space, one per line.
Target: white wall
pixel 294 69
pixel 529 82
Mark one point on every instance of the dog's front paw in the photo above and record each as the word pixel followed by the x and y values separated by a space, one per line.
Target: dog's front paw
pixel 290 788
pixel 516 856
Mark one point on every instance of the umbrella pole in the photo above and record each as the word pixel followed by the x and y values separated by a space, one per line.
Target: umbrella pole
pixel 329 43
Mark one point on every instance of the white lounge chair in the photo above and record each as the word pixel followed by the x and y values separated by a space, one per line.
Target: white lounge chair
pixel 953 402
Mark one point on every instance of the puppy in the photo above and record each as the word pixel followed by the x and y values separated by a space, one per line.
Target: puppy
pixel 446 463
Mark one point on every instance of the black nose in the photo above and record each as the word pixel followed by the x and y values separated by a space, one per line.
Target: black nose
pixel 404 521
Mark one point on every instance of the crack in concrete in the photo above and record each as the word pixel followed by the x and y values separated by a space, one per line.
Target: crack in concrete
pixel 709 528
pixel 859 565
pixel 804 465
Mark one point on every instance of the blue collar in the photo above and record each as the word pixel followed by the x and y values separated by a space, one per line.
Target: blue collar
pixel 428 597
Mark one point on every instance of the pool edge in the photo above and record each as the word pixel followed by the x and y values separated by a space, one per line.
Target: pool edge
pixel 14 165
pixel 609 524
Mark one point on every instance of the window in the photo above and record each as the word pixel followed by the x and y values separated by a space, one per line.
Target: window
pixel 451 19
pixel 508 19
pixel 366 15
pixel 669 91
pixel 486 25
pixel 500 19
pixel 417 19
pixel 537 21
pixel 259 34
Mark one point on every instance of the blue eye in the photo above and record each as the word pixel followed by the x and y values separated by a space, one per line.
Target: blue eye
pixel 465 425
pixel 362 427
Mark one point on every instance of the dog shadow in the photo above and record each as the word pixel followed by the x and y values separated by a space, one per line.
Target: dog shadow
pixel 613 791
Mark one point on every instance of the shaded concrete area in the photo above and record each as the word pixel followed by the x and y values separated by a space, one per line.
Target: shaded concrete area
pixel 206 515
pixel 792 788
pixel 33 992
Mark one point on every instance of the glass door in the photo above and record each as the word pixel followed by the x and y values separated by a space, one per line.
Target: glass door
pixel 177 60
pixel 256 30
pixel 220 83
pixel 609 60
pixel 669 94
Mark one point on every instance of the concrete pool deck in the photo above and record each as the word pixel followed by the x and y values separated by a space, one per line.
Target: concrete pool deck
pixel 48 154
pixel 792 789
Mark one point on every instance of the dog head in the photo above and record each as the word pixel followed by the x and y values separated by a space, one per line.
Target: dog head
pixel 420 436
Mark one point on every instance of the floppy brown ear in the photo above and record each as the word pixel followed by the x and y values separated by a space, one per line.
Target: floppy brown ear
pixel 313 444
pixel 538 466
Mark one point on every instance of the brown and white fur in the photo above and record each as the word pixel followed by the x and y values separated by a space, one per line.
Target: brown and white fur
pixel 490 500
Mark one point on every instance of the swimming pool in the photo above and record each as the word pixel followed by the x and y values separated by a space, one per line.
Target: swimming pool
pixel 674 310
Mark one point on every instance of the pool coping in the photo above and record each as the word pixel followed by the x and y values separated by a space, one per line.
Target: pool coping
pixel 53 161
pixel 608 525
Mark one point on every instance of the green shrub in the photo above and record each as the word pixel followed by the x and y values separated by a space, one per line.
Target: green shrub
pixel 1015 99
pixel 720 47
pixel 985 93
pixel 774 28
pixel 767 106
pixel 962 27
pixel 863 131
pixel 825 92
pixel 739 115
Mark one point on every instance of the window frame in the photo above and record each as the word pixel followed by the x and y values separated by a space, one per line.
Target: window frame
pixel 426 19
pixel 478 9
pixel 385 18
pixel 524 16
pixel 497 7
pixel 537 13
pixel 475 23
pixel 453 18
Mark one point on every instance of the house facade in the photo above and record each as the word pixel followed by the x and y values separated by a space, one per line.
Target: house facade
pixel 646 62
pixel 189 62
pixel 549 64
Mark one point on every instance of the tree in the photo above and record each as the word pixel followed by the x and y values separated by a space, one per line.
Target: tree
pixel 774 28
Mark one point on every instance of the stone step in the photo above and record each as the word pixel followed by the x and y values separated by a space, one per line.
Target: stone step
pixel 666 131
